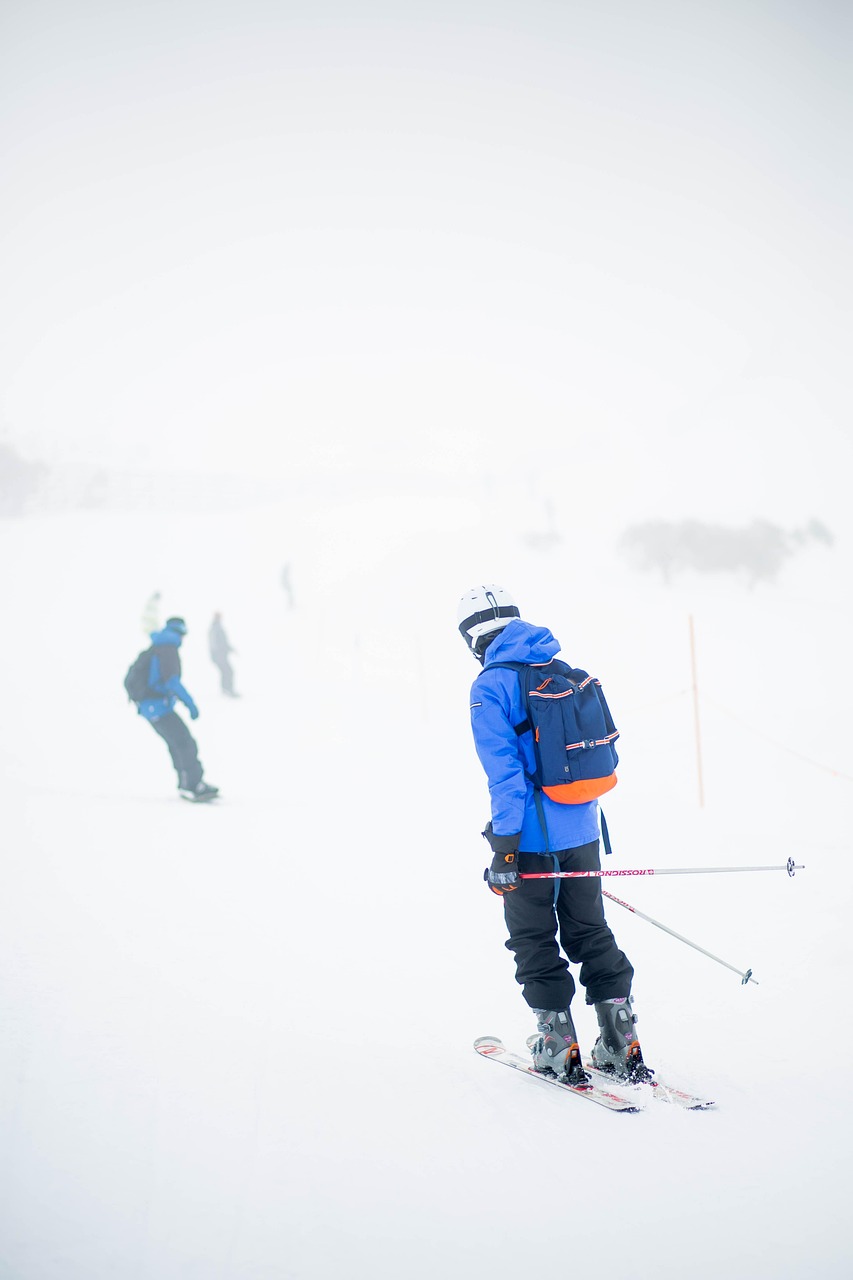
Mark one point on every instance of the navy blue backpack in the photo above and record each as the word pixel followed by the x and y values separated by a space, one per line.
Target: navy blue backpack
pixel 573 730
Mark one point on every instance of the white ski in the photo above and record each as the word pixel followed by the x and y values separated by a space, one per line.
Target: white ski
pixel 491 1047
pixel 661 1091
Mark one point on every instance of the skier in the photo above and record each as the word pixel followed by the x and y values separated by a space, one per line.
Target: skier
pixel 219 651
pixel 530 832
pixel 157 707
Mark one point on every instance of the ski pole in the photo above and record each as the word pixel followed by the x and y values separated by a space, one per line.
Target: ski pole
pixel 745 977
pixel 790 866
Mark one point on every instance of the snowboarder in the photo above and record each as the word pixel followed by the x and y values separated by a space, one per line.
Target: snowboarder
pixel 530 832
pixel 157 706
pixel 219 651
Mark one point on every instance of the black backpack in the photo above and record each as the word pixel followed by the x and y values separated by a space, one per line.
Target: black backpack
pixel 136 680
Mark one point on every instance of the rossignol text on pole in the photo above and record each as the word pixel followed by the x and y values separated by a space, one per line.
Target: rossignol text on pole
pixel 790 866
pixel 745 975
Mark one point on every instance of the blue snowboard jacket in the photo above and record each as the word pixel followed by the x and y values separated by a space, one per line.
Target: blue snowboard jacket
pixel 165 677
pixel 508 759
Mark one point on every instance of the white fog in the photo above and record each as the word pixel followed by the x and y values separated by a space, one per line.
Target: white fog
pixel 314 316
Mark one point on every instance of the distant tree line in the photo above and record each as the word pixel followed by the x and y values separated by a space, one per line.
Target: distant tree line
pixel 19 480
pixel 758 549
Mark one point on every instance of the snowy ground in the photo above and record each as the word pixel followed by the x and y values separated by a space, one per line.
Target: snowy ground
pixel 237 1039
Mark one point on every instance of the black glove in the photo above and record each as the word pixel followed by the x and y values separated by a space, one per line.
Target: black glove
pixel 502 876
pixel 501 844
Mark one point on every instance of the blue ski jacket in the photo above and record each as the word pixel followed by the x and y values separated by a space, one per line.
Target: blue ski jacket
pixel 165 677
pixel 508 758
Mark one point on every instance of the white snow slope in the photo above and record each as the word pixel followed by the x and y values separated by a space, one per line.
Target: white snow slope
pixel 237 1040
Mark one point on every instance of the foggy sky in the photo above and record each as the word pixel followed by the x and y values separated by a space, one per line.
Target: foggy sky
pixel 269 236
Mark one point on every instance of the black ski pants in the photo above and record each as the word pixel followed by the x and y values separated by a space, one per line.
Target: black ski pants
pixel 182 749
pixel 540 910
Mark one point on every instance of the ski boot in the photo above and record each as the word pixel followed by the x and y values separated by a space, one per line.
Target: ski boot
pixel 617 1049
pixel 555 1048
pixel 201 792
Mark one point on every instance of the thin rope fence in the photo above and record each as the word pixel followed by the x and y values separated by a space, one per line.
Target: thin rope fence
pixel 781 746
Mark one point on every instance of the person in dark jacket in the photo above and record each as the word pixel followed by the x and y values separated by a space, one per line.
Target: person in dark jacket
pixel 530 832
pixel 219 652
pixel 158 708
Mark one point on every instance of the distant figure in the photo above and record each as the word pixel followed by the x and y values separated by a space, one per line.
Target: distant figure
pixel 219 651
pixel 151 614
pixel 287 585
pixel 154 684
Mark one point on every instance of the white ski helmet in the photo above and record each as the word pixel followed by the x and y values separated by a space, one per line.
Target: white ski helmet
pixel 484 610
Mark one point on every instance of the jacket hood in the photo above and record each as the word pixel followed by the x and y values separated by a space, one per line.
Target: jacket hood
pixel 166 636
pixel 522 642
